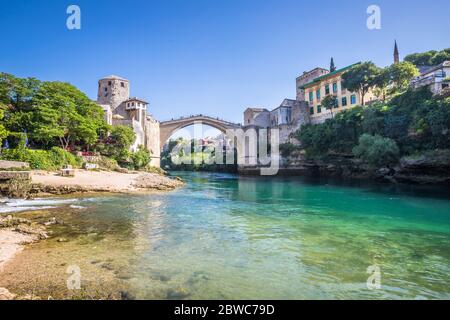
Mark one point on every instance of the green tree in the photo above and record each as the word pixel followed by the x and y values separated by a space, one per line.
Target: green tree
pixel 3 131
pixel 141 158
pixel 361 78
pixel 64 113
pixel 376 150
pixel 120 142
pixel 400 74
pixel 381 83
pixel 429 58
pixel 329 102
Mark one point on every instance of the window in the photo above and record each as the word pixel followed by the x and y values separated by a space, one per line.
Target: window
pixel 311 110
pixel 335 87
pixel 319 109
pixel 122 85
pixel 311 96
pixel 318 94
pixel 106 89
pixel 344 101
pixel 327 89
pixel 109 83
pixel 353 99
pixel 336 103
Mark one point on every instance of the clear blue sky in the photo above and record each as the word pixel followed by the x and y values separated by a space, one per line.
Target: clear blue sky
pixel 215 57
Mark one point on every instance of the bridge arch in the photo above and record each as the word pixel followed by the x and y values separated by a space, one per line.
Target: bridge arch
pixel 167 128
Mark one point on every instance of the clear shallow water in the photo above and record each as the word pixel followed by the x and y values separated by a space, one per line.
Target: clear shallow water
pixel 225 237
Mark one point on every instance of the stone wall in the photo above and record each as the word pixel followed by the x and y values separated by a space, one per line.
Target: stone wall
pixel 152 141
pixel 113 91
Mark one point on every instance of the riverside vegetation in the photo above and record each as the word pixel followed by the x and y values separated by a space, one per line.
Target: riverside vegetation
pixel 406 130
pixel 44 123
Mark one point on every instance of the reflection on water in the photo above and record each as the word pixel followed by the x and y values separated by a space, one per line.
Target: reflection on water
pixel 225 237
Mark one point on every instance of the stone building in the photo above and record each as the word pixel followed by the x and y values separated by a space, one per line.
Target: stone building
pixel 437 78
pixel 307 77
pixel 121 109
pixel 329 83
pixel 288 118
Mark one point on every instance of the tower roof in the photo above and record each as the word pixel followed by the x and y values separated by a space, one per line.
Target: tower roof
pixel 114 77
pixel 396 54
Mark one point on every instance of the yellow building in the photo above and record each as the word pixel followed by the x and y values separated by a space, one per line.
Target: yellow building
pixel 329 83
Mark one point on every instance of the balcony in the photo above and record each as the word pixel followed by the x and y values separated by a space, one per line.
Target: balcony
pixel 437 77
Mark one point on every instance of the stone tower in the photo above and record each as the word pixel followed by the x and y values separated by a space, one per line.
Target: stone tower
pixel 112 91
pixel 396 54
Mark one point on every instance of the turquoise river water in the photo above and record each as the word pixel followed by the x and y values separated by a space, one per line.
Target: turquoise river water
pixel 229 237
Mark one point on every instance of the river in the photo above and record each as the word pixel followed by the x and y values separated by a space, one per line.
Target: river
pixel 229 237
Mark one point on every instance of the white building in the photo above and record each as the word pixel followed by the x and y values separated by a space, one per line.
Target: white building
pixel 436 78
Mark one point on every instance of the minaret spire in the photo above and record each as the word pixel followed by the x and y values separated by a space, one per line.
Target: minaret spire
pixel 396 54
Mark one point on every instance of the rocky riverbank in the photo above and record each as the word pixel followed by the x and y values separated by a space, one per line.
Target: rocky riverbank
pixel 15 233
pixel 50 183
pixel 425 169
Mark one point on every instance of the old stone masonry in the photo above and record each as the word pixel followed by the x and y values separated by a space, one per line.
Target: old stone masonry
pixel 121 109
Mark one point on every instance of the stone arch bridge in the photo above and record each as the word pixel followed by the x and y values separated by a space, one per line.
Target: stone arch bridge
pixel 167 128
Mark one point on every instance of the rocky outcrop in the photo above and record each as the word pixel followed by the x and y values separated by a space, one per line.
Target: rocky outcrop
pixel 155 182
pixel 430 168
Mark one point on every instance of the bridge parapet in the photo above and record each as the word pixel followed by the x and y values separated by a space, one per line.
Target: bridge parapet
pixel 167 128
pixel 200 117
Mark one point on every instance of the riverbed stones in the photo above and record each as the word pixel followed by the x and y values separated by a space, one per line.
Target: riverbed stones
pixel 6 295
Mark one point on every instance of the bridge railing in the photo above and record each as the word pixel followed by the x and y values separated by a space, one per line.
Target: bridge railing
pixel 201 116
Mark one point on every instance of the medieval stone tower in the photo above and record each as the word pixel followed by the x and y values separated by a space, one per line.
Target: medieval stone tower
pixel 112 91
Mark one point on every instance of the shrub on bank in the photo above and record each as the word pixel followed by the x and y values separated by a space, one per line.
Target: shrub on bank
pixel 141 158
pixel 377 151
pixel 53 159
pixel 286 149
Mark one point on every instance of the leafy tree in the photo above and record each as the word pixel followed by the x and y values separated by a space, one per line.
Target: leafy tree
pixel 373 119
pixel 120 142
pixel 3 131
pixel 376 150
pixel 316 140
pixel 438 120
pixel 63 112
pixel 286 149
pixel 400 74
pixel 329 102
pixel 361 78
pixel 141 158
pixel 381 83
pixel 429 58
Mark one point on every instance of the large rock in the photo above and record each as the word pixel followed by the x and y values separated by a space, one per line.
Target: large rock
pixel 15 175
pixel 6 295
pixel 13 165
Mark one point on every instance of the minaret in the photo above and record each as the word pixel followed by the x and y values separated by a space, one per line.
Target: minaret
pixel 396 55
pixel 332 66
